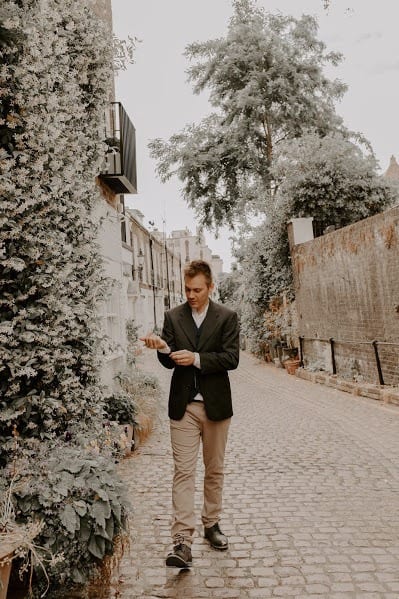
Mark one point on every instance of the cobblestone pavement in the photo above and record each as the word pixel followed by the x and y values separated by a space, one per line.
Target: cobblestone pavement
pixel 310 504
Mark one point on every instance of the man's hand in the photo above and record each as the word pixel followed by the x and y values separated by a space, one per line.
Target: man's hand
pixel 183 357
pixel 153 341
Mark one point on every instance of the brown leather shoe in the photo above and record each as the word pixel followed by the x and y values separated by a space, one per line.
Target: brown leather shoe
pixel 216 538
pixel 180 557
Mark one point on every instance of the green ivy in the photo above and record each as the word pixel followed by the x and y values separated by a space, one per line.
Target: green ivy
pixel 56 69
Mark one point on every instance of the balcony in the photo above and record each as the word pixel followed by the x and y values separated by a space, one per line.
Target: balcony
pixel 119 172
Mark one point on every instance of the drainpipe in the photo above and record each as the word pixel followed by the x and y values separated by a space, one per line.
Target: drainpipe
pixel 153 284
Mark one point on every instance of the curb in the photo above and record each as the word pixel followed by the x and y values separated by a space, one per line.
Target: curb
pixel 388 395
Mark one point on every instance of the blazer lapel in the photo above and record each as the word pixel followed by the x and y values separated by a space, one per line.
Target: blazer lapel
pixel 187 324
pixel 209 325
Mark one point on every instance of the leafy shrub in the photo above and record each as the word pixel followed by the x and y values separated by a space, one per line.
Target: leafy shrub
pixel 78 494
pixel 120 406
pixel 143 388
pixel 54 65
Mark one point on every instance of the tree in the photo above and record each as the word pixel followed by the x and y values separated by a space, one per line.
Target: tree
pixel 329 178
pixel 266 84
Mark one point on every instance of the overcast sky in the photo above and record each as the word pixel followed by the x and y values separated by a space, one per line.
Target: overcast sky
pixel 160 102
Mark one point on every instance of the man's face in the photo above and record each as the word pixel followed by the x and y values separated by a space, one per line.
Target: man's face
pixel 197 291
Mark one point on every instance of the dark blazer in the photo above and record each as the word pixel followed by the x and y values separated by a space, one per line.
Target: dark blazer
pixel 218 348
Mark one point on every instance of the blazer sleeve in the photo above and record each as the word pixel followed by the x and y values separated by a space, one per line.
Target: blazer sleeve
pixel 227 357
pixel 168 336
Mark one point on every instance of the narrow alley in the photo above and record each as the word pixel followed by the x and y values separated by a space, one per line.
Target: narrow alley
pixel 310 503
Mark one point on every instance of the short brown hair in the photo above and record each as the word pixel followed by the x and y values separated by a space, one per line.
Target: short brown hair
pixel 199 267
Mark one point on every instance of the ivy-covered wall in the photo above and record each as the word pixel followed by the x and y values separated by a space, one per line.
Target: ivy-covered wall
pixel 50 267
pixel 56 63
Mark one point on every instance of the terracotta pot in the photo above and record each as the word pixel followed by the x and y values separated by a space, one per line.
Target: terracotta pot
pixel 291 366
pixel 6 555
pixel 4 579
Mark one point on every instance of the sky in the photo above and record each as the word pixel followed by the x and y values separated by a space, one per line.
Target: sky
pixel 159 100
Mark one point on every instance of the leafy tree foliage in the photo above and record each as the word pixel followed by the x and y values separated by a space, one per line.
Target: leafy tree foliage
pixel 273 145
pixel 228 287
pixel 266 84
pixel 329 178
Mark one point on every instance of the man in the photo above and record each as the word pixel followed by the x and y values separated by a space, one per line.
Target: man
pixel 200 341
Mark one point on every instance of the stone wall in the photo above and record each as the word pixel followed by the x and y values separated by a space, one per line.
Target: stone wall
pixel 347 288
pixel 103 9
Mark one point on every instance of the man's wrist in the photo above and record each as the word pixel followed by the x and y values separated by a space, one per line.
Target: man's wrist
pixel 165 350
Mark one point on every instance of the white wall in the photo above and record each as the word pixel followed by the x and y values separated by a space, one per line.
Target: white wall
pixel 115 309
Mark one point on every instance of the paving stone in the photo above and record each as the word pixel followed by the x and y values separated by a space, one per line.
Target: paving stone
pixel 214 582
pixel 310 502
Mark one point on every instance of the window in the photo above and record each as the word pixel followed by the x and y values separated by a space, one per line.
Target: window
pixel 186 243
pixel 111 319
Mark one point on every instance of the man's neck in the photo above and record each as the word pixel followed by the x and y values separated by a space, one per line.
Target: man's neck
pixel 205 307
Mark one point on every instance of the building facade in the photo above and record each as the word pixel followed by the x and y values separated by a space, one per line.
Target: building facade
pixel 118 176
pixel 145 268
pixel 152 282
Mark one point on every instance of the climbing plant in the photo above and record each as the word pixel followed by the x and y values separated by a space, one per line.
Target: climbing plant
pixel 50 267
pixel 55 75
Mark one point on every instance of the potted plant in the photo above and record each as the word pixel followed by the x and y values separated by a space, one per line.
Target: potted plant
pixel 291 364
pixel 144 388
pixel 78 495
pixel 121 408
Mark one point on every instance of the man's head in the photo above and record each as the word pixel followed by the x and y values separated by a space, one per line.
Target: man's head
pixel 198 283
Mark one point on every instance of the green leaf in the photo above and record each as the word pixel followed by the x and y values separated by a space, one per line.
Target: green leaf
pixel 80 507
pixel 78 576
pixel 109 527
pixel 70 519
pixel 72 466
pixel 85 530
pixel 117 511
pixel 64 485
pixel 101 511
pixel 97 546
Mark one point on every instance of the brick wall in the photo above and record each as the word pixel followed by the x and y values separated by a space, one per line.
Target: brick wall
pixel 347 288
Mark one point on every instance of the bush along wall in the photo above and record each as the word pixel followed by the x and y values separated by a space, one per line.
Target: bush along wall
pixel 56 66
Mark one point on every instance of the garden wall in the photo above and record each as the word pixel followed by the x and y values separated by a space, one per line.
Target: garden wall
pixel 347 288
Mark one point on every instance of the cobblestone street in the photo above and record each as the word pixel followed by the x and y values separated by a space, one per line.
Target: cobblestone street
pixel 310 504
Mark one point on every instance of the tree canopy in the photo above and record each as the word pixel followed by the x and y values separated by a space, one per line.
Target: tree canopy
pixel 329 178
pixel 274 145
pixel 267 84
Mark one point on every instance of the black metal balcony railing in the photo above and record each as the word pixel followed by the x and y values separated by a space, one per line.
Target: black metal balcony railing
pixel 120 135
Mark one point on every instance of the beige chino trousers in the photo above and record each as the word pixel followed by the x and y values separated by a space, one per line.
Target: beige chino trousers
pixel 185 438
